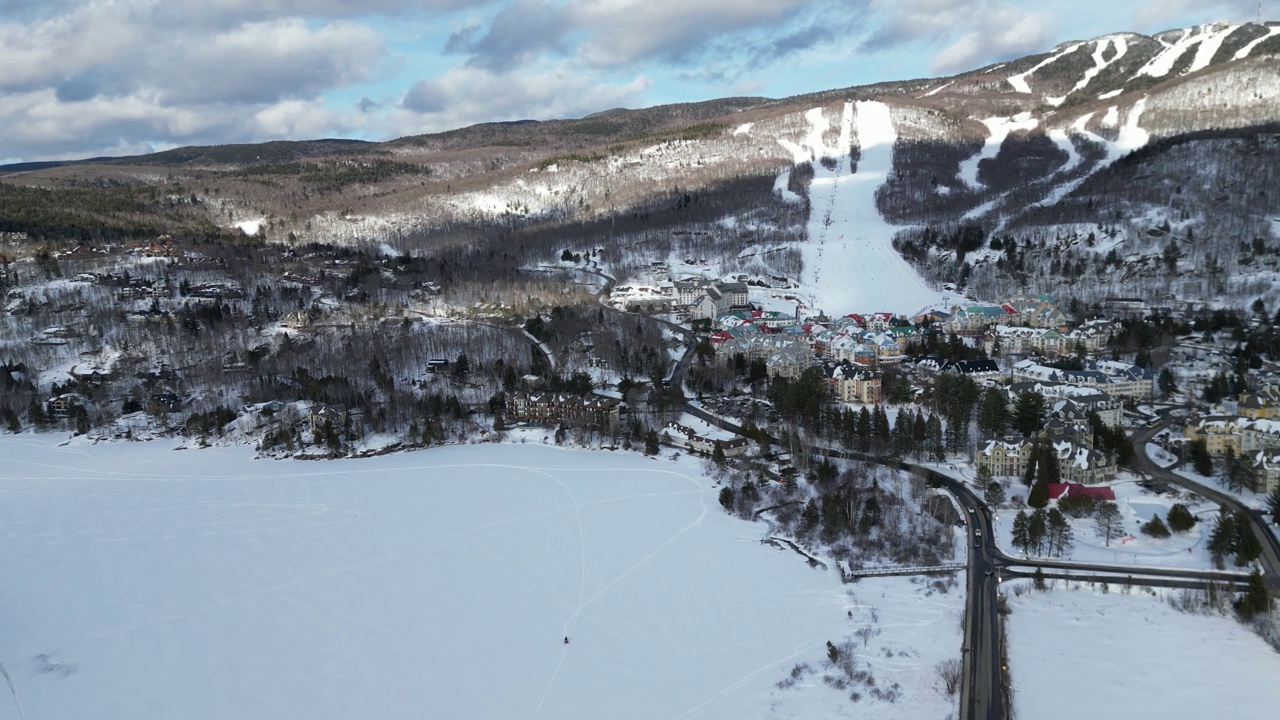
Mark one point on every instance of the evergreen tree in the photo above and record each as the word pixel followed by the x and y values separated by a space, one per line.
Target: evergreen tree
pixel 993 413
pixel 810 518
pixel 1155 528
pixel 1248 547
pixel 1033 459
pixel 1180 518
pixel 1273 505
pixel 1201 460
pixel 1167 383
pixel 1108 521
pixel 717 454
pixel 1048 470
pixel 994 494
pixel 1021 531
pixel 1038 529
pixel 1222 540
pixel 1061 536
pixel 651 446
pixel 1039 495
pixel 1028 413
pixel 1256 599
pixel 726 498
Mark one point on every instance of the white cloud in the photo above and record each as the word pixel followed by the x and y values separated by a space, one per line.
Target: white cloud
pixel 468 95
pixel 1003 33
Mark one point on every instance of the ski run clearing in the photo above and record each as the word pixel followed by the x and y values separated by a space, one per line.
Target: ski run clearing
pixel 1081 653
pixel 144 581
pixel 849 259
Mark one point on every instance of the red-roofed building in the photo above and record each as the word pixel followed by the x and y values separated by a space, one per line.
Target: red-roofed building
pixel 1060 490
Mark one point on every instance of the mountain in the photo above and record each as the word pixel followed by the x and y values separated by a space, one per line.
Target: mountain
pixel 1125 164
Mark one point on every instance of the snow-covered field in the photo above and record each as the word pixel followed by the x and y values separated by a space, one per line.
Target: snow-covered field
pixel 849 260
pixel 147 582
pixel 1179 551
pixel 1083 654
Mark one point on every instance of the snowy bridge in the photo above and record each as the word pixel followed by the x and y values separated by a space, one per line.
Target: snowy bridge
pixel 848 575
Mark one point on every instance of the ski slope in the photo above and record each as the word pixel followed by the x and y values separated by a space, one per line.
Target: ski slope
pixel 144 582
pixel 849 261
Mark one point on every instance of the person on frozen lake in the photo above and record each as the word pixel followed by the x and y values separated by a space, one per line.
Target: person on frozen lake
pixel 566 639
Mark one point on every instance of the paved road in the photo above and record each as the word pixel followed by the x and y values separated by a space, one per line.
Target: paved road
pixel 1261 528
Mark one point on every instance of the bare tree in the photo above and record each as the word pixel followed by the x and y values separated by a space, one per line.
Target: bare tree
pixel 950 672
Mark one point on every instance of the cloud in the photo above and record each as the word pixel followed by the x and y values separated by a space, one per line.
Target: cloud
pixel 1002 34
pixel 469 95
pixel 976 31
pixel 517 34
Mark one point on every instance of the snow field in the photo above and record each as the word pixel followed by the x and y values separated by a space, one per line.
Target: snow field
pixel 1080 653
pixel 148 582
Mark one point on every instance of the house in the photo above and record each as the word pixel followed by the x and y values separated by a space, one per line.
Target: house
pixel 1219 432
pixel 973 368
pixel 61 406
pixel 437 365
pixel 1068 489
pixel 690 439
pixel 322 417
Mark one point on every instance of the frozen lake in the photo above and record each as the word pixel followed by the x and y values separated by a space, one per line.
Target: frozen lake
pixel 152 583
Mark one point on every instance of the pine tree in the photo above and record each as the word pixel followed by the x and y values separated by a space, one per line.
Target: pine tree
pixel 726 498
pixel 1201 460
pixel 651 446
pixel 993 413
pixel 1039 495
pixel 1021 531
pixel 1223 538
pixel 1061 536
pixel 717 454
pixel 1256 599
pixel 1048 470
pixel 1028 413
pixel 1248 547
pixel 1038 529
pixel 1273 505
pixel 1033 459
pixel 1180 518
pixel 1155 528
pixel 994 494
pixel 1108 521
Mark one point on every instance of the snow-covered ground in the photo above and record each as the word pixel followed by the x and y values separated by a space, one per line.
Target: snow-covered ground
pixel 142 581
pixel 1160 456
pixel 849 261
pixel 1179 551
pixel 1084 654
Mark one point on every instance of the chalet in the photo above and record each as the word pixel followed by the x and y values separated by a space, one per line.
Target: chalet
pixel 323 416
pixel 61 406
pixel 437 365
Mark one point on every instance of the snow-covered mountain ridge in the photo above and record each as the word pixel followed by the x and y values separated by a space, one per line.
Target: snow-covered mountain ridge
pixel 1135 138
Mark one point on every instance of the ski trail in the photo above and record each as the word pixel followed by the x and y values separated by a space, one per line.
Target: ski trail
pixel 1019 81
pixel 1243 52
pixel 22 715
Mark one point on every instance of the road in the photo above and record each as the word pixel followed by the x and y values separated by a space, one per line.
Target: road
pixel 1270 546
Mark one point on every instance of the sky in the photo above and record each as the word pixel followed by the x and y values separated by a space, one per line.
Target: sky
pixel 84 78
